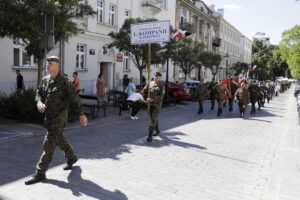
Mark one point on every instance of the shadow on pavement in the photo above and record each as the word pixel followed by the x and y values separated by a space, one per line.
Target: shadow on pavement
pixel 111 140
pixel 80 186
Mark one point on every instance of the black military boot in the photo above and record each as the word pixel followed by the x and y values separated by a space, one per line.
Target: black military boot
pixel 150 136
pixel 35 179
pixel 70 163
pixel 157 132
pixel 219 111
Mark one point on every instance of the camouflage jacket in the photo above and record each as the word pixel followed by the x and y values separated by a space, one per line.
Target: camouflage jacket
pixel 157 93
pixel 202 92
pixel 57 94
pixel 254 91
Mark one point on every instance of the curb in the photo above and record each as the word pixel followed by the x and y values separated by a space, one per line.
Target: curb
pixel 68 128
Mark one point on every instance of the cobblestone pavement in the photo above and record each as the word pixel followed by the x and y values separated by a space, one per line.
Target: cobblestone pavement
pixel 196 157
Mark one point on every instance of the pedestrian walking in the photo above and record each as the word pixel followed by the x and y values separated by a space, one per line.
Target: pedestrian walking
pixel 53 97
pixel 157 92
pixel 76 82
pixel 202 93
pixel 242 95
pixel 20 81
pixel 125 82
pixel 222 95
pixel 101 84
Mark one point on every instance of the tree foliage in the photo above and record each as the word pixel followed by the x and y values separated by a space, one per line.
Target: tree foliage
pixel 137 53
pixel 267 58
pixel 290 49
pixel 186 54
pixel 22 20
pixel 240 68
pixel 211 61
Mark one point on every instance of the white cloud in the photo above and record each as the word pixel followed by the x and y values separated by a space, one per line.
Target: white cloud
pixel 232 6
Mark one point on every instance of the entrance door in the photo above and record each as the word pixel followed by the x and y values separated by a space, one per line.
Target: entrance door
pixel 104 69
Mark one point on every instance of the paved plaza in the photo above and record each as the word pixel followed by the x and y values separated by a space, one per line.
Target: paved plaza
pixel 197 157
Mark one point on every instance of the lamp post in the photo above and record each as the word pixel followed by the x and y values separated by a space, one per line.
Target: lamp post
pixel 226 64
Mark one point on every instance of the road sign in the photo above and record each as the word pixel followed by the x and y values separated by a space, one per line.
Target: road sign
pixel 150 32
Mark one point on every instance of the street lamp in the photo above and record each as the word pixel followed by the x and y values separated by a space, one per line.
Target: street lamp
pixel 226 65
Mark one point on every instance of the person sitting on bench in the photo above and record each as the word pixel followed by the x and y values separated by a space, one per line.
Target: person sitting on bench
pixel 135 99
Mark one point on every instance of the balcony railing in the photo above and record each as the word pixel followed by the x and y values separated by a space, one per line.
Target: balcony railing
pixel 186 27
pixel 155 4
pixel 216 42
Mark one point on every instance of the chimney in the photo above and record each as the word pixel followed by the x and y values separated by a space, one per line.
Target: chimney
pixel 221 12
pixel 212 7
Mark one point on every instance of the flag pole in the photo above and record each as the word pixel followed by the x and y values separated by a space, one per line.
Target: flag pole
pixel 149 71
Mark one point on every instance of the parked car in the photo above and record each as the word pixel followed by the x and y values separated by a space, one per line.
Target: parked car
pixel 193 85
pixel 178 92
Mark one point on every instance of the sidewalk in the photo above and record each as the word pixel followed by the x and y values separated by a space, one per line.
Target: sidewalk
pixel 12 130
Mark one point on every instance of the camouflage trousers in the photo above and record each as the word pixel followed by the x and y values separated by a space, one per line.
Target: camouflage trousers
pixel 54 138
pixel 154 112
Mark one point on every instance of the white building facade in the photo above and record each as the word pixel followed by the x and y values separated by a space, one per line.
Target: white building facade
pixel 87 53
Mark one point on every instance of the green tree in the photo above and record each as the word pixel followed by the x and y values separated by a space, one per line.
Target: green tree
pixel 211 61
pixel 290 49
pixel 261 56
pixel 137 53
pixel 239 67
pixel 186 54
pixel 22 20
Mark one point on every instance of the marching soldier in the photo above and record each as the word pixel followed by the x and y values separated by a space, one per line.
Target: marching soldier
pixel 222 93
pixel 242 95
pixel 202 94
pixel 254 91
pixel 53 97
pixel 157 92
pixel 233 88
pixel 212 94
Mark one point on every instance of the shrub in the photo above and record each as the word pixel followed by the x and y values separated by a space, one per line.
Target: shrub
pixel 21 106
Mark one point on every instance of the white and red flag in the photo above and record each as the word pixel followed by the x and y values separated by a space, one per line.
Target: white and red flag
pixel 178 33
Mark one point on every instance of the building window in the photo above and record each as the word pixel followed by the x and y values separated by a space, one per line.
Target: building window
pixel 80 56
pixel 205 72
pixel 193 73
pixel 126 62
pixel 181 74
pixel 127 14
pixel 100 12
pixel 111 19
pixel 21 58
pixel 182 17
pixel 163 4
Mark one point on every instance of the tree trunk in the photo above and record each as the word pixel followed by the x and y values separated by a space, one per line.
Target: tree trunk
pixel 185 76
pixel 40 70
pixel 141 75
pixel 199 73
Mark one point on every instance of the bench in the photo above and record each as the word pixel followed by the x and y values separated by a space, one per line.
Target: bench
pixel 94 108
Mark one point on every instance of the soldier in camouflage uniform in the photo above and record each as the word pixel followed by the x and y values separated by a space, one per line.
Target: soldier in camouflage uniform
pixel 254 91
pixel 202 92
pixel 222 93
pixel 54 95
pixel 233 88
pixel 212 93
pixel 242 95
pixel 157 92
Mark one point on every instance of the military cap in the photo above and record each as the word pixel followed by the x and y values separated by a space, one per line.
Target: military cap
pixel 157 74
pixel 53 59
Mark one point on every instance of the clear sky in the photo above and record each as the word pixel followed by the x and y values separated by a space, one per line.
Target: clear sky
pixel 268 16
